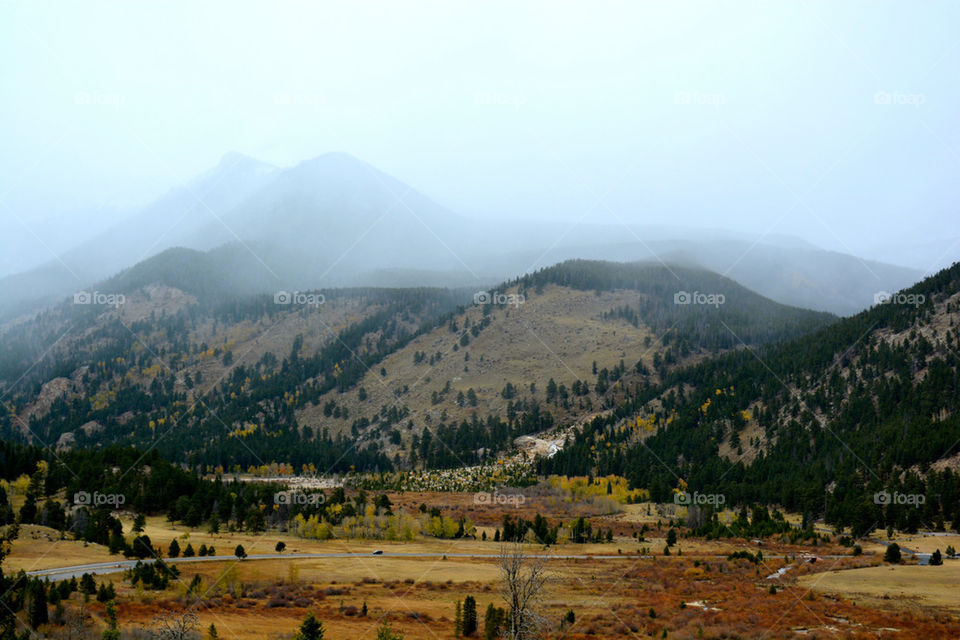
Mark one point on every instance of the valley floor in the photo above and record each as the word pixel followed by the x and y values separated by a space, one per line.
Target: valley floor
pixel 623 588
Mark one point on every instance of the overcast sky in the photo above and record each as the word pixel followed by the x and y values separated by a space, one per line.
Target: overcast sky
pixel 837 122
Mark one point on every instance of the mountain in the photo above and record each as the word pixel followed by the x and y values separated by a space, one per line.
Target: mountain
pixel 177 345
pixel 337 221
pixel 329 218
pixel 858 422
pixel 783 269
pixel 174 219
pixel 220 274
pixel 316 224
pixel 553 348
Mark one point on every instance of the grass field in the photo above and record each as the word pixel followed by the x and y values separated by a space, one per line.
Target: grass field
pixel 41 548
pixel 257 599
pixel 909 587
pixel 700 593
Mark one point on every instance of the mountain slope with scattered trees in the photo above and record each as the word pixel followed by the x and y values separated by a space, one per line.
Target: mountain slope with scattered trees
pixel 548 350
pixel 847 422
pixel 190 363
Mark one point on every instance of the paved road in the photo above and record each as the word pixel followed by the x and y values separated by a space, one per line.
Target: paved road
pixel 922 558
pixel 100 568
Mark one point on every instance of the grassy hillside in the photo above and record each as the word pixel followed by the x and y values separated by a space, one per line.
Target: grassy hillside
pixel 202 380
pixel 566 343
pixel 361 377
pixel 818 424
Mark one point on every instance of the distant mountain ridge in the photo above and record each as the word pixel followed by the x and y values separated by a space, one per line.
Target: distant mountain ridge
pixel 793 273
pixel 163 224
pixel 337 221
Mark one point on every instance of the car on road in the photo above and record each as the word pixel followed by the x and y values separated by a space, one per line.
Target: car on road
pixel 378 552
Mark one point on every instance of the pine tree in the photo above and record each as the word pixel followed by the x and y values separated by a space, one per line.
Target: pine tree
pixel 469 622
pixel 935 558
pixel 88 585
pixel 492 622
pixel 174 549
pixel 458 620
pixel 111 632
pixel 142 546
pixel 38 605
pixel 892 553
pixel 117 543
pixel 310 628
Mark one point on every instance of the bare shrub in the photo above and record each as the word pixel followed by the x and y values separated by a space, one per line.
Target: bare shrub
pixel 173 626
pixel 523 581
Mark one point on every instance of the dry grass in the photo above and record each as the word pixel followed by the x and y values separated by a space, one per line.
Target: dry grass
pixel 893 586
pixel 570 336
pixel 610 599
pixel 41 548
pixel 928 543
pixel 694 595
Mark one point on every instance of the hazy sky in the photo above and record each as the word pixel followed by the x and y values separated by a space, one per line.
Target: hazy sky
pixel 834 121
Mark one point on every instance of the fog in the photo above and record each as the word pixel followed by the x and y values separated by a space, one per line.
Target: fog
pixel 538 126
